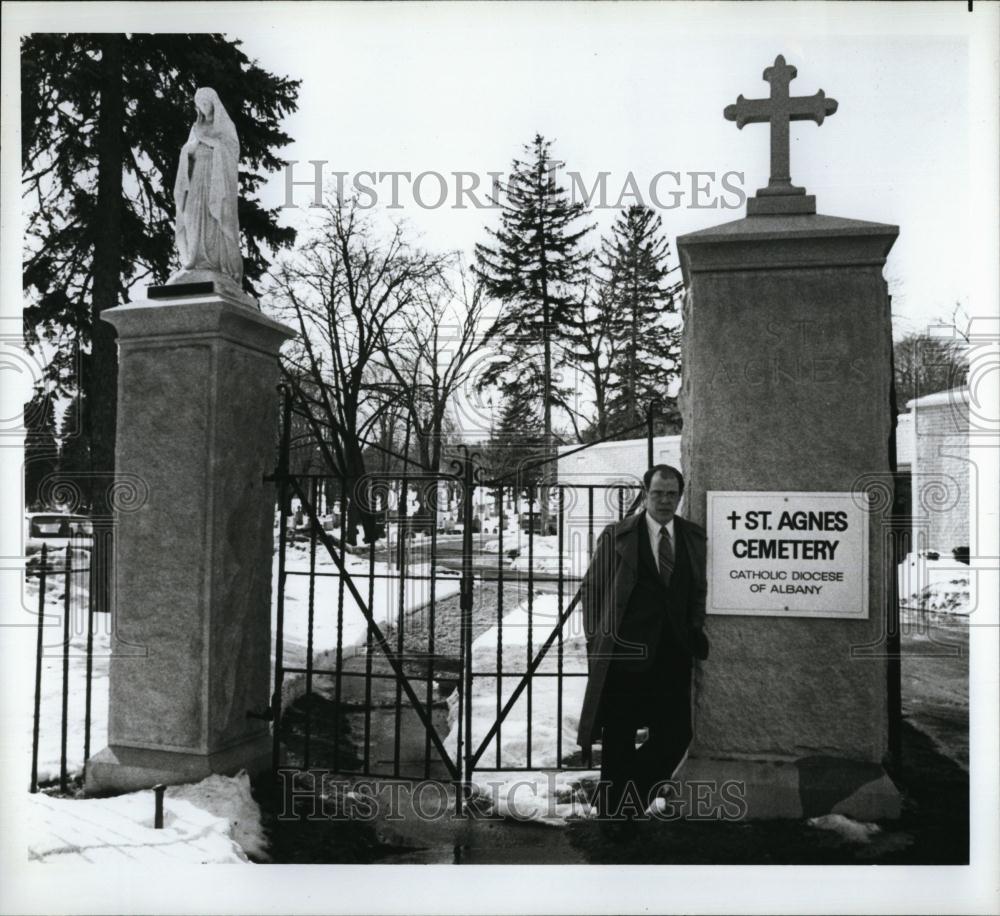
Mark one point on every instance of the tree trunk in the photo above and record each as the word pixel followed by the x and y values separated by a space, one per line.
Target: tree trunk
pixel 599 402
pixel 356 515
pixel 543 493
pixel 633 371
pixel 101 382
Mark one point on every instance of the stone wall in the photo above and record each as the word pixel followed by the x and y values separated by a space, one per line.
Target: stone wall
pixel 941 469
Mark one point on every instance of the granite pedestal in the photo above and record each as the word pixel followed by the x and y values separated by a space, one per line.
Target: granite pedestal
pixel 197 421
pixel 787 348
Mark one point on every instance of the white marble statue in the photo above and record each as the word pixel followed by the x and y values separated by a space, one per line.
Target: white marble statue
pixel 205 193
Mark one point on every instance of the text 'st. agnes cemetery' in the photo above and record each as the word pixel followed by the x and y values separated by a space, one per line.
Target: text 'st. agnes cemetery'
pixel 788 554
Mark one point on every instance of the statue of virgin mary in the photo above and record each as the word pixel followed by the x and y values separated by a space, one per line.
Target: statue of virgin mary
pixel 205 192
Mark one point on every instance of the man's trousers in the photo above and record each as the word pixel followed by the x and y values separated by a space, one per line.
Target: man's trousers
pixel 657 698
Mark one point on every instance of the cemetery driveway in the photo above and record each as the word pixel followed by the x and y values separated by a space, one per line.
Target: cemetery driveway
pixel 935 675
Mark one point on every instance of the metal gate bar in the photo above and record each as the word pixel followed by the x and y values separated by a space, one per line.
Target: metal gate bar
pixel 401 515
pixel 431 622
pixel 559 656
pixel 531 603
pixel 338 684
pixel 391 658
pixel 310 622
pixel 281 476
pixel 368 659
pixel 499 666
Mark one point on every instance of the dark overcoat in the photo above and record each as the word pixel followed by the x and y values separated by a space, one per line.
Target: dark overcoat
pixel 605 592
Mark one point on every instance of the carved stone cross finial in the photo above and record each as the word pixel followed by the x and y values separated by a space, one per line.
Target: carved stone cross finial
pixel 780 196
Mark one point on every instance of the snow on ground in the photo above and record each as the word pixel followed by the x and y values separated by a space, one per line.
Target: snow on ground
pixel 544 556
pixel 940 585
pixel 214 821
pixel 384 597
pixel 937 605
pixel 535 795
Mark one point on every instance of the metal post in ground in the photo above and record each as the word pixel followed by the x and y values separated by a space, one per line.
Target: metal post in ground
pixel 466 607
pixel 91 606
pixel 67 587
pixel 531 602
pixel 158 791
pixel 282 479
pixel 38 667
pixel 98 604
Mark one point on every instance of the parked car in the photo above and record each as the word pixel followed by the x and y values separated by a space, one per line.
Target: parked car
pixel 536 524
pixel 57 531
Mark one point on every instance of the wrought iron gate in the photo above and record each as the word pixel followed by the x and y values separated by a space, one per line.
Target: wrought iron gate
pixel 379 655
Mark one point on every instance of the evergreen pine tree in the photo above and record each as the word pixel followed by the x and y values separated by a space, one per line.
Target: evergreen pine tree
pixel 75 462
pixel 41 450
pixel 517 444
pixel 532 267
pixel 641 297
pixel 592 351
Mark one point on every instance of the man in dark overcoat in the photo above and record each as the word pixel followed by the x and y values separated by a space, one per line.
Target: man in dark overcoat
pixel 643 599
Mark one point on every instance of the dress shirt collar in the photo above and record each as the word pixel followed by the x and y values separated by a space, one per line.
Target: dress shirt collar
pixel 654 527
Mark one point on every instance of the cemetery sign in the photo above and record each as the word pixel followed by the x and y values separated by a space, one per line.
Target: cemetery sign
pixel 787 554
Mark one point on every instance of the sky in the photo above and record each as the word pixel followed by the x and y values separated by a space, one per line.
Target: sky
pixel 641 89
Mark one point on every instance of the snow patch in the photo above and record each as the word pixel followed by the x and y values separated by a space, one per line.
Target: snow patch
pixel 546 797
pixel 214 821
pixel 229 797
pixel 849 830
pixel 938 585
pixel 546 556
pixel 384 597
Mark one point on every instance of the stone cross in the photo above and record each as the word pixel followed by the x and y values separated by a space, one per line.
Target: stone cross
pixel 779 109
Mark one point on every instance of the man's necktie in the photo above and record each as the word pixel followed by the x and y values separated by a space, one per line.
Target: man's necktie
pixel 666 556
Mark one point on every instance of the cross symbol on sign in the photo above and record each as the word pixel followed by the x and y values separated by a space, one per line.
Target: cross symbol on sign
pixel 779 110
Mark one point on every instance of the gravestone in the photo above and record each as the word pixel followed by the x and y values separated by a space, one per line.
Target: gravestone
pixel 787 348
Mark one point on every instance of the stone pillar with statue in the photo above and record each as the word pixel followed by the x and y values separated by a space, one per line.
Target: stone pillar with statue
pixel 786 403
pixel 197 419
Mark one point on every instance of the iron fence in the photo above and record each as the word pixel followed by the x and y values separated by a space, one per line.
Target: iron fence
pixel 67 606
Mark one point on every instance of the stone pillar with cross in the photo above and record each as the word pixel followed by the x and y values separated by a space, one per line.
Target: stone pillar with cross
pixel 787 371
pixel 780 196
